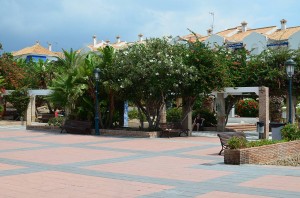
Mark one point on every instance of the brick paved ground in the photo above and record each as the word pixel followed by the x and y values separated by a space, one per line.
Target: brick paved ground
pixel 48 164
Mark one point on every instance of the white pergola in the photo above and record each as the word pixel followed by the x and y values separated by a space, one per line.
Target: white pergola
pixel 30 113
pixel 262 92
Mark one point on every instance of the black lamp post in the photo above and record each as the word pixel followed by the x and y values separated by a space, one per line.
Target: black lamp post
pixel 97 76
pixel 290 67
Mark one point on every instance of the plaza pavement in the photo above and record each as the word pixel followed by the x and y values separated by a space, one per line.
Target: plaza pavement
pixel 50 164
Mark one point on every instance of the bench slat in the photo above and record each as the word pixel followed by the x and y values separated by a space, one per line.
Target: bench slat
pixel 76 126
pixel 224 137
pixel 172 127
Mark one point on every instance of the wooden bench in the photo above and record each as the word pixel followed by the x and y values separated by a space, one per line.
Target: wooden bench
pixel 46 116
pixel 173 127
pixel 225 136
pixel 76 126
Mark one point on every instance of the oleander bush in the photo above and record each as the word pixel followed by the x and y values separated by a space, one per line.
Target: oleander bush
pixel 247 108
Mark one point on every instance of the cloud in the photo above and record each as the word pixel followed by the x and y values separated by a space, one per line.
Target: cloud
pixel 72 23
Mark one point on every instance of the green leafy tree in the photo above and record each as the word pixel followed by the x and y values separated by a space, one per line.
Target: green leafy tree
pixel 149 73
pixel 20 100
pixel 13 75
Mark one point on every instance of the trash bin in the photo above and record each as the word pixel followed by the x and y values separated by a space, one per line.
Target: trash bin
pixel 275 128
pixel 260 128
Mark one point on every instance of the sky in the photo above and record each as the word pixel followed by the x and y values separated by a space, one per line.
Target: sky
pixel 70 24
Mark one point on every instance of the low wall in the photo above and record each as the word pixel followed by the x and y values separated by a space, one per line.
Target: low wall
pixel 104 132
pixel 262 154
pixel 127 133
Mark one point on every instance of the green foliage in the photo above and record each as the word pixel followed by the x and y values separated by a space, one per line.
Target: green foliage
pixel 151 72
pixel 20 100
pixel 210 117
pixel 290 132
pixel 174 114
pixel 56 121
pixel 1 108
pixel 237 142
pixel 247 108
pixel 13 75
pixel 263 142
pixel 134 114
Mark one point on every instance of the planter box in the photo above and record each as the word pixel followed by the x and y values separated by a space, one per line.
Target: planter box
pixel 262 154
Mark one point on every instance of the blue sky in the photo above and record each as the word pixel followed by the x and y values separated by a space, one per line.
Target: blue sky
pixel 72 23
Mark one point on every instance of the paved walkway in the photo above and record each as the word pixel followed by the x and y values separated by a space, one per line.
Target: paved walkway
pixel 48 164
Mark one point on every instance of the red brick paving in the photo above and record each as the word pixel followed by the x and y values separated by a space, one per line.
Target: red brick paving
pixel 228 195
pixel 72 139
pixel 275 182
pixel 155 145
pixel 60 184
pixel 62 155
pixel 130 167
pixel 163 167
pixel 4 145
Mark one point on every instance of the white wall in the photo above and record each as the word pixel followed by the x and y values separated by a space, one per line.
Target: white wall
pixel 214 40
pixel 255 43
pixel 294 41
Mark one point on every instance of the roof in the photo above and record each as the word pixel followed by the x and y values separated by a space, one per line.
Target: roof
pixel 239 36
pixel 284 34
pixel 119 45
pixel 193 37
pixel 35 49
pixel 228 32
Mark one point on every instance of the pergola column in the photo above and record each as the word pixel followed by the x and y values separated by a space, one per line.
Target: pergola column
pixel 264 109
pixel 220 107
pixel 30 113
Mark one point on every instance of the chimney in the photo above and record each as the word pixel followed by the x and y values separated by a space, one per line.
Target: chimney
pixel 94 40
pixel 37 42
pixel 118 39
pixel 244 26
pixel 49 46
pixel 140 37
pixel 209 32
pixel 283 24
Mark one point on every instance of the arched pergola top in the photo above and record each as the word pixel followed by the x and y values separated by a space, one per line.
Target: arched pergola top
pixel 237 91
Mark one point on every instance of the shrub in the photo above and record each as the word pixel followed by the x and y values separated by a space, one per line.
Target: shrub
pixel 262 143
pixel 174 114
pixel 1 108
pixel 210 118
pixel 20 100
pixel 290 132
pixel 56 121
pixel 247 108
pixel 237 142
pixel 134 114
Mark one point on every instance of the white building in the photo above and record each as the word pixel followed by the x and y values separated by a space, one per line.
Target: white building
pixel 118 44
pixel 37 52
pixel 254 40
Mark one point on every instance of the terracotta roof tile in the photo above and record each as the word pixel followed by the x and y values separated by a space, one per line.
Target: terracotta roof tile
pixel 238 37
pixel 284 34
pixel 35 49
pixel 230 31
pixel 192 38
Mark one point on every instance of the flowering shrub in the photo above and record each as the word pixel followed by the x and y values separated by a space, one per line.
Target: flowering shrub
pixel 247 108
pixel 290 132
